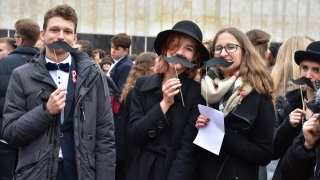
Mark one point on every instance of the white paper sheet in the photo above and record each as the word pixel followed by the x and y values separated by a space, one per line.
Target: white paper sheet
pixel 211 136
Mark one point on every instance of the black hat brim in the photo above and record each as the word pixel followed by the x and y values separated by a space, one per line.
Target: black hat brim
pixel 306 55
pixel 163 36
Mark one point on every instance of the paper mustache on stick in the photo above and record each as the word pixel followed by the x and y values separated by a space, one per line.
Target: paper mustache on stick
pixel 177 59
pixel 214 61
pixel 302 81
pixel 61 44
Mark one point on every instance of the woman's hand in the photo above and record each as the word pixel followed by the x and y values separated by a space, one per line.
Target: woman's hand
pixel 202 121
pixel 169 90
pixel 296 117
pixel 311 131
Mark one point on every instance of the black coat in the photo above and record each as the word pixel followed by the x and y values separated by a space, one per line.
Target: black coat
pixel 130 149
pixel 16 58
pixel 285 132
pixel 119 74
pixel 165 140
pixel 299 163
pixel 247 143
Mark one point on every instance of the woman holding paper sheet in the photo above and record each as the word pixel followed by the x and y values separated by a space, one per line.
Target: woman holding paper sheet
pixel 243 91
pixel 164 107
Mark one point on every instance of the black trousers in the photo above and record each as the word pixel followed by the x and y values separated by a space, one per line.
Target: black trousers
pixel 8 157
pixel 61 173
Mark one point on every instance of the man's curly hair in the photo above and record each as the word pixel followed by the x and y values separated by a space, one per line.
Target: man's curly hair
pixel 65 11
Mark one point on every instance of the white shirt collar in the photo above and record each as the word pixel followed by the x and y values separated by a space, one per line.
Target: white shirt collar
pixel 117 60
pixel 66 60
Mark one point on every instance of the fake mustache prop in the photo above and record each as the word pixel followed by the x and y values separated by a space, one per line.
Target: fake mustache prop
pixel 302 81
pixel 61 44
pixel 314 105
pixel 177 59
pixel 214 61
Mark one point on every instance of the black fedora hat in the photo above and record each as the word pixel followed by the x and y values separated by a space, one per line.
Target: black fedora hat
pixel 186 27
pixel 312 53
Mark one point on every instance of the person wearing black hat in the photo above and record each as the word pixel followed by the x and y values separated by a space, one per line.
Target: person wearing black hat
pixel 243 92
pixel 164 107
pixel 301 160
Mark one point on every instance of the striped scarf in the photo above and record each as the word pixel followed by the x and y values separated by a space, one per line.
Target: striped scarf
pixel 216 89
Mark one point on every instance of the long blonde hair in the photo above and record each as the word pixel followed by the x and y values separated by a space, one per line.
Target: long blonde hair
pixel 285 66
pixel 144 64
pixel 253 68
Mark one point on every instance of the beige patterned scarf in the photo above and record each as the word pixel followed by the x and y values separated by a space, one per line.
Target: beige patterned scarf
pixel 214 89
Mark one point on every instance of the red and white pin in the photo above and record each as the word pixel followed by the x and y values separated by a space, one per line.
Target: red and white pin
pixel 74 76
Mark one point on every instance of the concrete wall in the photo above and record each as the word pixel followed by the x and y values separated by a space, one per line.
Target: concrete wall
pixel 280 18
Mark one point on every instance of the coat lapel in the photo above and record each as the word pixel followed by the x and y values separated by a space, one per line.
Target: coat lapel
pixel 71 90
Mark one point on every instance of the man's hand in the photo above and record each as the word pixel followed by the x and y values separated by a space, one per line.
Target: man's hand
pixel 57 101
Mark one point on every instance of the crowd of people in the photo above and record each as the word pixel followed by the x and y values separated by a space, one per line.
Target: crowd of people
pixel 69 111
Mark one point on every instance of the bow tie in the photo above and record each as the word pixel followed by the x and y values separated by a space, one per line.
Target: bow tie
pixel 62 66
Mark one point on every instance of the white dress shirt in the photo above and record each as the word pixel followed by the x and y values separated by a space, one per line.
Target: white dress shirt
pixel 115 62
pixel 61 79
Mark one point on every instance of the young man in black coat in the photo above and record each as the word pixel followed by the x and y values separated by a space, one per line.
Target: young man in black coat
pixel 26 35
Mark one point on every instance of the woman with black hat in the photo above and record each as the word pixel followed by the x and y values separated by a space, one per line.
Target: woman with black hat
pixel 164 107
pixel 243 92
pixel 301 160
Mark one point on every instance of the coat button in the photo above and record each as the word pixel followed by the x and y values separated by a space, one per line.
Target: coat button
pixel 160 124
pixel 152 133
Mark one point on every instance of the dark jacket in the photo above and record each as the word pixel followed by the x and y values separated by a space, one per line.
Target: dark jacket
pixel 29 125
pixel 300 163
pixel 247 143
pixel 16 58
pixel 119 74
pixel 285 132
pixel 130 149
pixel 165 140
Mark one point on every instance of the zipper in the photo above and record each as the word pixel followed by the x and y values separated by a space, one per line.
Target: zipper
pixel 25 168
pixel 83 118
pixel 42 89
pixel 34 91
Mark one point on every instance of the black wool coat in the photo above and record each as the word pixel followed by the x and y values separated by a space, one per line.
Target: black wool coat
pixel 247 143
pixel 165 141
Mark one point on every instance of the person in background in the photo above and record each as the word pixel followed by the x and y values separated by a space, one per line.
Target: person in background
pixel 261 41
pixel 243 92
pixel 40 44
pixel 301 160
pixel 119 72
pixel 106 64
pixel 98 55
pixel 289 98
pixel 164 108
pixel 6 46
pixel 52 109
pixel 285 67
pixel 208 44
pixel 26 35
pixel 273 56
pixel 133 57
pixel 85 46
pixel 144 65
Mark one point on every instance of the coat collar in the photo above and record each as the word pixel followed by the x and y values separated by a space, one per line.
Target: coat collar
pixel 41 73
pixel 249 108
pixel 155 82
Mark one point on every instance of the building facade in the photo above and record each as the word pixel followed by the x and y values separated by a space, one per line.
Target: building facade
pixel 99 20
